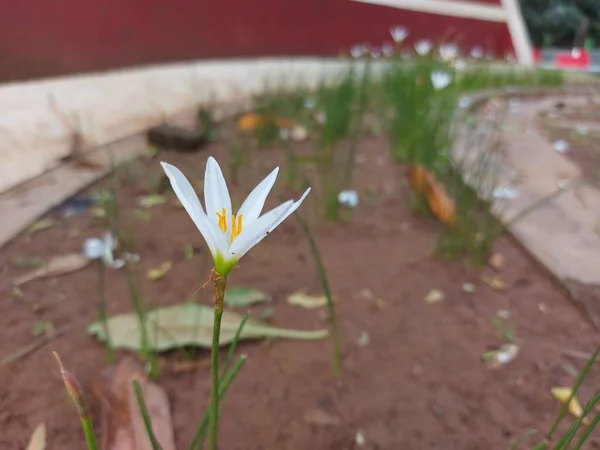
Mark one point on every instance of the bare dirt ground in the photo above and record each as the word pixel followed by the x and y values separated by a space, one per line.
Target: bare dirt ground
pixel 417 382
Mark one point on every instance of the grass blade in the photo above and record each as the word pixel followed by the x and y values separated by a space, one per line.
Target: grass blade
pixel 145 415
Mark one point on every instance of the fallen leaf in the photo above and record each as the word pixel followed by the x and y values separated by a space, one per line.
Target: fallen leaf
pixel 121 420
pixel 40 225
pixel 252 121
pixel 307 301
pixel 38 438
pixel 17 293
pixel 98 212
pixel 56 266
pixel 159 272
pixel 244 296
pixel 496 261
pixel 188 324
pixel 360 439
pixel 43 327
pixel 321 418
pixel 434 296
pixel 150 201
pixel 497 358
pixel 140 214
pixel 562 394
pixel 363 339
pixel 30 261
pixel 266 313
pixel 469 288
pixel 495 282
pixel 440 203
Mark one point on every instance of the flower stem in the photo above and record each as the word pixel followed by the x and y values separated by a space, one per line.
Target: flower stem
pixel 88 430
pixel 220 283
pixel 102 310
pixel 145 415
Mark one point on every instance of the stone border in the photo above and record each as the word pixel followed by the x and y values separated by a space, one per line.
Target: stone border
pixel 559 232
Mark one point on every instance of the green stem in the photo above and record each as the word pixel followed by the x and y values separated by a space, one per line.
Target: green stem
pixel 88 430
pixel 337 352
pixel 102 310
pixel 220 285
pixel 198 441
pixel 145 415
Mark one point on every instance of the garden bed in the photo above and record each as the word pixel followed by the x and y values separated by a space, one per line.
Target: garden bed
pixel 412 371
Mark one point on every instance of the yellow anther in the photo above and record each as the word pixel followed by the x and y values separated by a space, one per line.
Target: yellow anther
pixel 223 220
pixel 236 228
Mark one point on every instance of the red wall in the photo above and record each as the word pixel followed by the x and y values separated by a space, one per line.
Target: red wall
pixel 51 37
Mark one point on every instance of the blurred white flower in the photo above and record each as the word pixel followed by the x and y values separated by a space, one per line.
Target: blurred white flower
pixel 504 193
pixel 96 248
pixel 423 47
pixel 356 51
pixel 476 52
pixel 387 49
pixel 459 64
pixel 440 79
pixel 464 101
pixel 561 146
pixel 448 52
pixel 229 236
pixel 348 198
pixel 398 33
pixel 375 53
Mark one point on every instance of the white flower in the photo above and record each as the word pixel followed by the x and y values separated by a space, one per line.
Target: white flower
pixel 440 79
pixel 375 53
pixel 459 64
pixel 476 52
pixel 448 52
pixel 423 47
pixel 229 236
pixel 95 248
pixel 561 146
pixel 348 198
pixel 356 51
pixel 387 49
pixel 398 33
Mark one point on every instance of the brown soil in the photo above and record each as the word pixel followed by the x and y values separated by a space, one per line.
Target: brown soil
pixel 419 382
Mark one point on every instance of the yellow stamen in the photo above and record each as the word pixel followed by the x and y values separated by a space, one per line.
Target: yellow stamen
pixel 236 225
pixel 236 228
pixel 223 220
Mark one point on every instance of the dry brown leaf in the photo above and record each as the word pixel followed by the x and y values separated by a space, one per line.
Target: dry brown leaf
pixel 38 438
pixel 434 296
pixel 56 266
pixel 496 261
pixel 41 225
pixel 441 204
pixel 252 121
pixel 495 282
pixel 122 421
pixel 307 301
pixel 159 272
pixel 562 394
pixel 321 418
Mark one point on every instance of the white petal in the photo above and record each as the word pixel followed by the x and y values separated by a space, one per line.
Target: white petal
pixel 188 198
pixel 255 202
pixel 93 248
pixel 216 194
pixel 257 231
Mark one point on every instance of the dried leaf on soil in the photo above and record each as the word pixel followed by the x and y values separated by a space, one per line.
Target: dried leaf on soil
pixel 159 272
pixel 244 296
pixel 501 356
pixel 469 288
pixel 562 394
pixel 38 438
pixel 150 201
pixel 252 121
pixel 496 261
pixel 307 301
pixel 56 266
pixel 188 324
pixel 40 225
pixel 434 296
pixel 495 282
pixel 424 183
pixel 321 418
pixel 121 420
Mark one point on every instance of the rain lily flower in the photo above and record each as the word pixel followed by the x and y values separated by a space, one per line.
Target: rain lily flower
pixel 448 52
pixel 398 33
pixel 229 236
pixel 476 52
pixel 440 79
pixel 423 47
pixel 459 64
pixel 348 198
pixel 95 248
pixel 356 51
pixel 387 49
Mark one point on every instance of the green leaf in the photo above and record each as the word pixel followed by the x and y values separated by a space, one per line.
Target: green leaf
pixel 188 324
pixel 244 296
